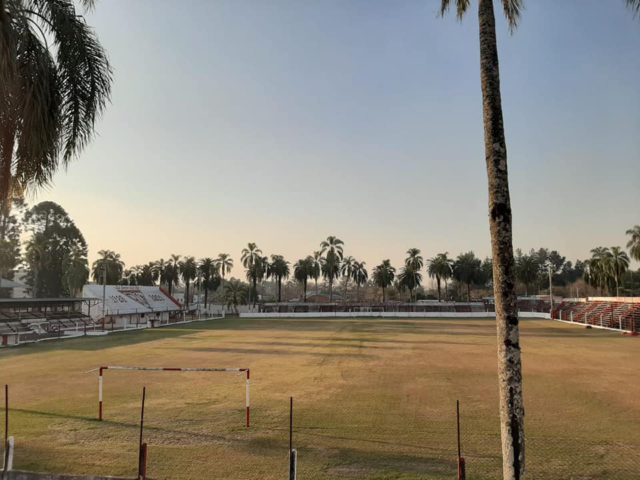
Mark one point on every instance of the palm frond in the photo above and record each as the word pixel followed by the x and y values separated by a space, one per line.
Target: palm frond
pixel 84 71
pixel 461 7
pixel 512 10
pixel 634 5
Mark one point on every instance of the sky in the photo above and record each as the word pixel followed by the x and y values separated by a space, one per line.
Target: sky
pixel 281 122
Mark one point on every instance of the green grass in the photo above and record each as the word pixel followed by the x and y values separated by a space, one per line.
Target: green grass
pixel 374 399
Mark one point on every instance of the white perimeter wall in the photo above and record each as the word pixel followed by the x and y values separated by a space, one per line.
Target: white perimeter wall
pixel 386 315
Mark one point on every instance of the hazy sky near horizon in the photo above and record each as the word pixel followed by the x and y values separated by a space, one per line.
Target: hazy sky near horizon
pixel 283 122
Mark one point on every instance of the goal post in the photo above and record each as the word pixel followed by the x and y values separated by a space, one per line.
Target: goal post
pixel 246 371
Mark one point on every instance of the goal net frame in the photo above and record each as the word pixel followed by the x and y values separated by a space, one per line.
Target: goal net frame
pixel 174 369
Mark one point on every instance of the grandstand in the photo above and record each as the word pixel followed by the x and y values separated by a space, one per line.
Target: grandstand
pixel 619 313
pixel 400 307
pixel 32 319
pixel 131 306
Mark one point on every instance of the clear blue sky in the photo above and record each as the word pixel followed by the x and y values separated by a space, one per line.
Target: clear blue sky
pixel 282 122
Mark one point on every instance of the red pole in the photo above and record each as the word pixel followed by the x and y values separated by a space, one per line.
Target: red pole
pixel 248 400
pixel 461 464
pixel 6 425
pixel 141 450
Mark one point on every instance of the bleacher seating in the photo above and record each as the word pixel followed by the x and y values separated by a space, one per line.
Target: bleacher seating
pixel 614 313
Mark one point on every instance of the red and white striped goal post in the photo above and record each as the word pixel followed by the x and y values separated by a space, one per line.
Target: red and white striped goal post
pixel 174 369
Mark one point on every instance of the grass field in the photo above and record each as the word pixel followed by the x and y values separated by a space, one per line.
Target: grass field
pixel 374 399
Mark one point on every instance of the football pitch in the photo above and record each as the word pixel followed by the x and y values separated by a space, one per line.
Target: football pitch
pixel 374 399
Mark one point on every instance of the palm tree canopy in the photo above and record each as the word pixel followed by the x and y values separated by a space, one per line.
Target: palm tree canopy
pixel 634 242
pixel 225 263
pixel 414 260
pixel 512 9
pixel 384 274
pixel 55 81
pixel 278 268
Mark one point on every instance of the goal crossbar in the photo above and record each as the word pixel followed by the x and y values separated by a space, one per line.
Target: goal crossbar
pixel 174 369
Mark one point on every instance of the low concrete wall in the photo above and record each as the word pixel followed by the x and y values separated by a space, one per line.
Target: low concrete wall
pixel 20 475
pixel 387 315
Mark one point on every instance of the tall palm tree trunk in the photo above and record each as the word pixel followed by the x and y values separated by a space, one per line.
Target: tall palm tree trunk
pixel 509 354
pixel 279 289
pixel 438 283
pixel 305 290
pixel 330 290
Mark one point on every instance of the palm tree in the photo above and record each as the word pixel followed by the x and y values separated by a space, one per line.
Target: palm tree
pixel 634 242
pixel 414 260
pixel 251 259
pixel 440 268
pixel 509 354
pixel 278 269
pixel 188 269
pixel 235 293
pixel 332 249
pixel 527 270
pixel 302 271
pixel 316 267
pixel 108 269
pixel 410 279
pixel 618 265
pixel 346 270
pixel 383 276
pixel 225 264
pixel 599 268
pixel 208 272
pixel 159 271
pixel 55 81
pixel 467 270
pixel 360 276
pixel 172 272
pixel 76 271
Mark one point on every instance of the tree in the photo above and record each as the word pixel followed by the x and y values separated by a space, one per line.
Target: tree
pixel 346 270
pixel 224 264
pixel 76 271
pixel 302 271
pixel 159 271
pixel 188 271
pixel 55 81
pixel 598 268
pixel 251 259
pixel 383 276
pixel 527 270
pixel 467 270
pixel 235 293
pixel 10 232
pixel 278 269
pixel 332 249
pixel 618 265
pixel 108 269
pixel 509 354
pixel 316 267
pixel 360 276
pixel 440 268
pixel 414 260
pixel 634 242
pixel 172 272
pixel 54 237
pixel 410 279
pixel 208 271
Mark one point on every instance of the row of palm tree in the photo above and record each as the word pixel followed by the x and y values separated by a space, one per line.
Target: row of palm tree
pixel 606 267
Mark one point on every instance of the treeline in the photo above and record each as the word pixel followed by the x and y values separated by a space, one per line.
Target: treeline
pixel 54 258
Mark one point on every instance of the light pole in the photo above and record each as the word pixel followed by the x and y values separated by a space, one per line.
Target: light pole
pixel 104 287
pixel 550 289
